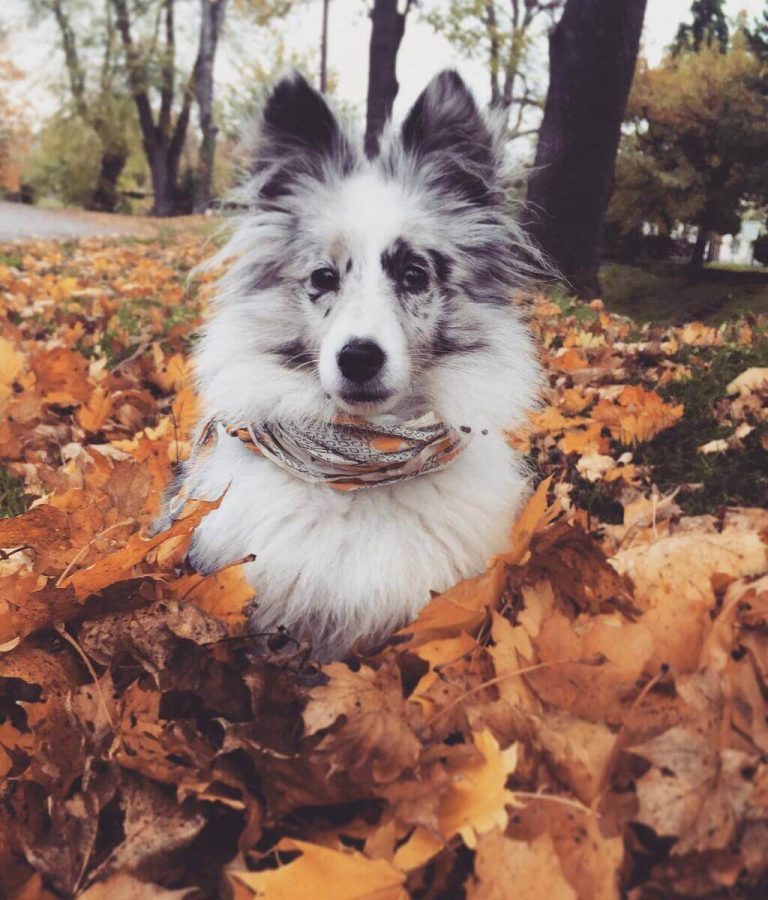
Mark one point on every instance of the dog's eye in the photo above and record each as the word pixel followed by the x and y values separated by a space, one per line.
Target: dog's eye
pixel 415 279
pixel 325 279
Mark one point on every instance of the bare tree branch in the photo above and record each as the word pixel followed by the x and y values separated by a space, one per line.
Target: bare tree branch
pixel 167 73
pixel 136 74
pixel 71 56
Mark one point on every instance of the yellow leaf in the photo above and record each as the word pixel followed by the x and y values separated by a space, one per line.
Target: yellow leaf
pixel 420 847
pixel 517 870
pixel 93 416
pixel 754 379
pixel 11 362
pixel 323 874
pixel 64 288
pixel 476 799
pixel 439 653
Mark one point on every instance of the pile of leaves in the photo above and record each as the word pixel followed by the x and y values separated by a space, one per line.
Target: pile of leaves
pixel 586 719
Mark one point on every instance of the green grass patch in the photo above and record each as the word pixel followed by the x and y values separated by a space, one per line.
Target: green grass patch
pixel 662 292
pixel 570 306
pixel 12 260
pixel 12 500
pixel 737 477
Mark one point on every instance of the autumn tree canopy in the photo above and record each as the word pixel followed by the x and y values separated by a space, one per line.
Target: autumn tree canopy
pixel 708 27
pixel 506 36
pixel 697 148
pixel 13 126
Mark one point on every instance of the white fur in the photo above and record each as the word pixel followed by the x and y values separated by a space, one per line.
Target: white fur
pixel 344 569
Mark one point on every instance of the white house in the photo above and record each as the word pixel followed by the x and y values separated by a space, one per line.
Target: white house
pixel 738 248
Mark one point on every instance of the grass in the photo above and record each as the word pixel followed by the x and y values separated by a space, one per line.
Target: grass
pixel 661 292
pixel 12 501
pixel 732 478
pixel 12 260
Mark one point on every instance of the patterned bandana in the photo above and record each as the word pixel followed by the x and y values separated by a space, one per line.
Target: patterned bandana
pixel 349 454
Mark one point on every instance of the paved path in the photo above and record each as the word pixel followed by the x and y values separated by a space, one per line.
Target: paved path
pixel 18 222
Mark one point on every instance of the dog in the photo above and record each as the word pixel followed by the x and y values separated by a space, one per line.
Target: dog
pixel 366 351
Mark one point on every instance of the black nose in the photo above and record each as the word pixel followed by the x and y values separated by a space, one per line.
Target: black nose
pixel 360 360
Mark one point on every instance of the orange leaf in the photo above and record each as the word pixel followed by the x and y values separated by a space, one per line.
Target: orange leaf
pixel 118 565
pixel 322 872
pixel 93 416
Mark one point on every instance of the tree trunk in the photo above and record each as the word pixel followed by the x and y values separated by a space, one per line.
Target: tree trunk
pixel 592 53
pixel 210 28
pixel 162 143
pixel 162 184
pixel 324 49
pixel 388 27
pixel 105 195
pixel 697 257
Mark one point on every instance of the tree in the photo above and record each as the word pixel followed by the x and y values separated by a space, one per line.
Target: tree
pixel 13 128
pixel 698 149
pixel 708 28
pixel 162 137
pixel 592 53
pixel 760 248
pixel 96 98
pixel 212 14
pixel 506 33
pixel 757 36
pixel 387 30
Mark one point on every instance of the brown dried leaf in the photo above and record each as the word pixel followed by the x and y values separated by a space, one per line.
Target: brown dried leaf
pixel 376 734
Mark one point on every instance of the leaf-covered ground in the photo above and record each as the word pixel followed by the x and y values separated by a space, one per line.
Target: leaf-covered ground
pixel 587 719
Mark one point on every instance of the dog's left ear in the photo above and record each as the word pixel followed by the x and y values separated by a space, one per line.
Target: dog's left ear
pixel 299 137
pixel 446 132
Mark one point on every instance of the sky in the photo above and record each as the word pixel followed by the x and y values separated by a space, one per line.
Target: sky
pixel 422 54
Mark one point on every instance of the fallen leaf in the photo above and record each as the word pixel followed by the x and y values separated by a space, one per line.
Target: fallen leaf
pixel 506 869
pixel 344 874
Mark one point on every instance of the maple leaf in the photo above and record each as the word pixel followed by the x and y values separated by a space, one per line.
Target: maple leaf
pixel 533 868
pixel 146 740
pixel 153 825
pixel 673 581
pixel 376 733
pixel 589 851
pixel 351 874
pixel 579 751
pixel 637 414
pixel 126 887
pixel 476 798
pixel 463 607
pixel 119 565
pixel 694 792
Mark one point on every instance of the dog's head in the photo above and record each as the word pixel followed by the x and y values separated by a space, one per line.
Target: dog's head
pixel 371 280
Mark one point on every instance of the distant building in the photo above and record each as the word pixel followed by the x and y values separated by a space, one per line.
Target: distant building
pixel 739 248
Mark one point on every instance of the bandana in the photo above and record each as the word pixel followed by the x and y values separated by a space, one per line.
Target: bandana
pixel 348 454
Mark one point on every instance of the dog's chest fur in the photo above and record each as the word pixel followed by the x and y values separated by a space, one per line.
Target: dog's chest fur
pixel 345 569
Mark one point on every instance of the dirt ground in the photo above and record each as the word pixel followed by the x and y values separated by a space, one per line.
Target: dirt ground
pixel 21 222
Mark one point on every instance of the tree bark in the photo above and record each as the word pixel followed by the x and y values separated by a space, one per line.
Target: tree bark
pixel 105 194
pixel 697 257
pixel 592 53
pixel 388 27
pixel 212 12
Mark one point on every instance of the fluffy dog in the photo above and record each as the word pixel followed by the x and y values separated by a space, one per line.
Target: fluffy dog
pixel 364 356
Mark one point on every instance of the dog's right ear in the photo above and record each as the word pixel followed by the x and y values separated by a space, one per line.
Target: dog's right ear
pixel 299 137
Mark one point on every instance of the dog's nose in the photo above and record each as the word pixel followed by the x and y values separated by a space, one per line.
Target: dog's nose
pixel 360 360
